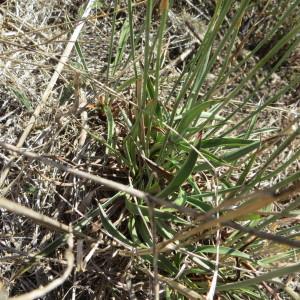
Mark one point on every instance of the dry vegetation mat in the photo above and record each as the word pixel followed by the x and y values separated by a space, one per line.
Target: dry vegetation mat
pixel 149 149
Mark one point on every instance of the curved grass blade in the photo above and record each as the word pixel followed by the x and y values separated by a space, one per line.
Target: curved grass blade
pixel 183 173
pixel 110 129
pixel 223 250
pixel 111 229
pixel 191 115
pixel 231 156
pixel 257 280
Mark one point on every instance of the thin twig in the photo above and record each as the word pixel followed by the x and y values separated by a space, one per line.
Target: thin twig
pixel 180 288
pixel 264 235
pixel 39 218
pixel 106 182
pixel 109 183
pixel 256 202
pixel 155 253
pixel 212 291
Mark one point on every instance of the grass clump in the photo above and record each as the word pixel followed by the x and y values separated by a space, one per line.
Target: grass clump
pixel 205 144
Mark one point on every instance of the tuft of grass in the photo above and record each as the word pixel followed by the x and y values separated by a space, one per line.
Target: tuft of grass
pixel 198 175
pixel 176 130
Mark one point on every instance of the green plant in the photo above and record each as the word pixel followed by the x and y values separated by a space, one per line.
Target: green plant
pixel 217 180
pixel 164 148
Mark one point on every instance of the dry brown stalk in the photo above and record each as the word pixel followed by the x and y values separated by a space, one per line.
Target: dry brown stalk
pixel 256 202
pixel 264 235
pixel 103 181
pixel 180 288
pixel 39 218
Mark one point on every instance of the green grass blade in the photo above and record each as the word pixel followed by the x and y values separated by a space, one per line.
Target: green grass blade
pixel 124 35
pixel 111 229
pixel 110 129
pixel 112 35
pixel 23 99
pixel 257 280
pixel 183 173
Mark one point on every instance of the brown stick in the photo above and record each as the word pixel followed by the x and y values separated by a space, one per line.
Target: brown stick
pixel 103 181
pixel 39 218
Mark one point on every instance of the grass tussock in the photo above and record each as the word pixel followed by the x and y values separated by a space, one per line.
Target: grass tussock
pixel 149 149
